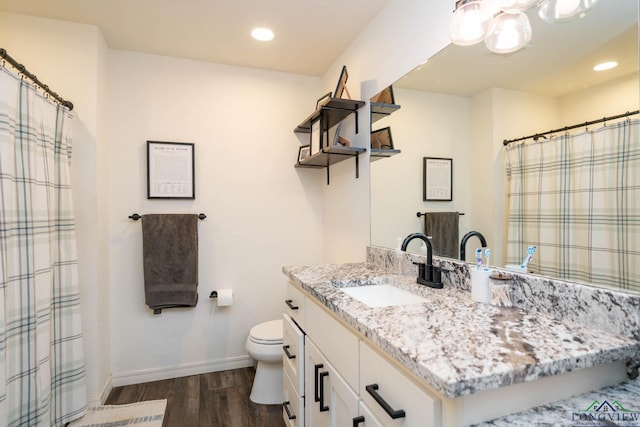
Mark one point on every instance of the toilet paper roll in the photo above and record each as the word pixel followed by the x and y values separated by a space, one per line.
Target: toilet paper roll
pixel 225 297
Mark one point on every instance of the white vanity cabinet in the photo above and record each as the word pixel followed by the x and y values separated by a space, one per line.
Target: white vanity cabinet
pixel 344 381
pixel 330 402
pixel 391 396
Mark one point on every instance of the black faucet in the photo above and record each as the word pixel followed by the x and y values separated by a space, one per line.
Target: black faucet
pixel 463 243
pixel 427 274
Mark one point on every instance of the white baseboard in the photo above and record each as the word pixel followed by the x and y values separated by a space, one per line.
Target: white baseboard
pixel 157 374
pixel 93 401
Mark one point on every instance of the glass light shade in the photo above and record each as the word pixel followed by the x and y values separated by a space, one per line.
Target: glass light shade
pixel 491 7
pixel 554 11
pixel 509 32
pixel 469 24
pixel 517 5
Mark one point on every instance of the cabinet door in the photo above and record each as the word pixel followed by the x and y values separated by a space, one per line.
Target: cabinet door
pixel 329 399
pixel 392 396
pixel 293 353
pixel 316 412
pixel 337 343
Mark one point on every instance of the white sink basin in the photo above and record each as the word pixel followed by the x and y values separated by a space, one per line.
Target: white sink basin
pixel 382 295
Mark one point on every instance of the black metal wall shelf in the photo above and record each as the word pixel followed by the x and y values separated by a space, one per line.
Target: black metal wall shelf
pixel 329 156
pixel 378 111
pixel 332 113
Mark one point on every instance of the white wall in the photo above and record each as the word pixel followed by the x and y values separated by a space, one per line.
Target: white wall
pixel 70 59
pixel 402 36
pixel 605 100
pixel 262 213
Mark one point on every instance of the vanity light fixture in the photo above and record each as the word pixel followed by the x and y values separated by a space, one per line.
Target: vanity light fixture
pixel 262 34
pixel 603 66
pixel 553 11
pixel 503 24
pixel 469 24
pixel 510 31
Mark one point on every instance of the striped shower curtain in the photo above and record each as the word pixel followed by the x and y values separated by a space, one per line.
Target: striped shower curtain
pixel 577 198
pixel 42 374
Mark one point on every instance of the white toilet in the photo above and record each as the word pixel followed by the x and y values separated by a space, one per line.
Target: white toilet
pixel 264 344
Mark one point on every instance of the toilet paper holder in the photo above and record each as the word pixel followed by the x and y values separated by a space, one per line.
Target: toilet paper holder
pixel 213 294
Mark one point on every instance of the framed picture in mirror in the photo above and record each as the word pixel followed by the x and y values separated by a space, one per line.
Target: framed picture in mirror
pixel 385 96
pixel 381 139
pixel 437 179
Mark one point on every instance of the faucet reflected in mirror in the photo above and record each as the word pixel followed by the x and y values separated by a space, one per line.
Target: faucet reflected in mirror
pixel 463 243
pixel 428 274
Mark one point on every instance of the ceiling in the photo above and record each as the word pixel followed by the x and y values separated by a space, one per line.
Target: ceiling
pixel 558 60
pixel 309 34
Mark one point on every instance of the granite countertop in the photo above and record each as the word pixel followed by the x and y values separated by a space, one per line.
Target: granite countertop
pixel 456 345
pixel 587 409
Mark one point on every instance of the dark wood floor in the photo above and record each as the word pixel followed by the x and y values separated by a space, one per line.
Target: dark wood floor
pixel 217 399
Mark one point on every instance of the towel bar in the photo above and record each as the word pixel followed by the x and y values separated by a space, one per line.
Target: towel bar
pixel 418 214
pixel 136 217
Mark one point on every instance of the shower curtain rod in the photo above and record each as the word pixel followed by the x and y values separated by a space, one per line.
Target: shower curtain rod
pixel 23 70
pixel 535 136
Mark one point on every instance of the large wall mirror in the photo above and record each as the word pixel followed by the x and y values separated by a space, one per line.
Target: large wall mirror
pixel 464 101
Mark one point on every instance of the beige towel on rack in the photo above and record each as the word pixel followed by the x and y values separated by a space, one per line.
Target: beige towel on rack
pixel 442 227
pixel 170 257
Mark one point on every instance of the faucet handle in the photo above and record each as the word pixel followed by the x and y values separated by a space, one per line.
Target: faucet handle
pixel 437 275
pixel 421 268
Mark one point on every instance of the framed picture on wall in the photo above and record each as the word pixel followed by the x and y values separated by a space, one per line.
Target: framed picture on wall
pixel 341 87
pixel 315 141
pixel 170 170
pixel 303 153
pixel 437 179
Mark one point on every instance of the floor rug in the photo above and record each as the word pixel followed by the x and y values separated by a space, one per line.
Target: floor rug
pixel 141 414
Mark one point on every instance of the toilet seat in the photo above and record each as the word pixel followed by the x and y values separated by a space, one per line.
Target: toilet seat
pixel 267 333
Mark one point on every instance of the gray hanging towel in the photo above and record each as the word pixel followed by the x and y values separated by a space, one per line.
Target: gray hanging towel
pixel 170 257
pixel 443 229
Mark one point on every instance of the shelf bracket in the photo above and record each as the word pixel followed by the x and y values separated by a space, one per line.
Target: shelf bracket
pixel 356 116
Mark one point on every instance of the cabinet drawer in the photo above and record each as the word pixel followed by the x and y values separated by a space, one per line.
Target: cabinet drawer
pixel 382 384
pixel 293 407
pixel 294 304
pixel 293 353
pixel 338 344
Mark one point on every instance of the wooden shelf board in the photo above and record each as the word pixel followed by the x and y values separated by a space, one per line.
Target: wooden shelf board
pixel 329 156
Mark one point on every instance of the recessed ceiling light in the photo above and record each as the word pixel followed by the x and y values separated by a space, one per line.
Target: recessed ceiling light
pixel 262 34
pixel 605 66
